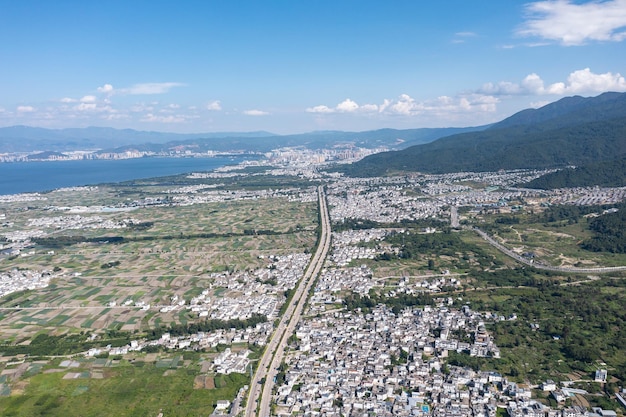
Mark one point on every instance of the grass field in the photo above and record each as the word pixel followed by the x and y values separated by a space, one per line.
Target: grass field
pixel 143 389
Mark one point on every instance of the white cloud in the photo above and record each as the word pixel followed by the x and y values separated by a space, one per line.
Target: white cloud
pixel 25 109
pixel 347 106
pixel 367 108
pixel 503 87
pixel 215 105
pixel 320 109
pixel 68 100
pixel 163 119
pixel 462 37
pixel 150 88
pixel 88 99
pixel 141 108
pixel 255 113
pixel 532 84
pixel 140 89
pixel 537 104
pixel 406 105
pixel 578 82
pixel 86 107
pixel 107 89
pixel 384 106
pixel 570 23
pixel 93 108
pixel 114 116
pixel 586 81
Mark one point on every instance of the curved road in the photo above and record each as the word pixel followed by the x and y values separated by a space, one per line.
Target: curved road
pixel 262 383
pixel 523 260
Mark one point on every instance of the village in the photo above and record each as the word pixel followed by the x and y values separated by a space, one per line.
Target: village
pixel 339 361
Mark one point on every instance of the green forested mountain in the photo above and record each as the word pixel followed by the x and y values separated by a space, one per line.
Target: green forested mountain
pixel 604 174
pixel 571 131
pixel 569 110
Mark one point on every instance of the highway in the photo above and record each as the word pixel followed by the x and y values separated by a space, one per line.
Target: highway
pixel 260 395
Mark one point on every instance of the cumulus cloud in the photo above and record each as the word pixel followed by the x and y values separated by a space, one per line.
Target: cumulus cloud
pixel 578 82
pixel 25 109
pixel 346 106
pixel 88 99
pixel 471 103
pixel 68 100
pixel 405 105
pixel 214 105
pixel 107 89
pixel 570 23
pixel 255 113
pixel 586 81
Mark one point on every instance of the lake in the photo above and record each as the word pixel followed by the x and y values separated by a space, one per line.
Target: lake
pixel 23 177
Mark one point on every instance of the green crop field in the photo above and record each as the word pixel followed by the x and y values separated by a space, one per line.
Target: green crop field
pixel 121 390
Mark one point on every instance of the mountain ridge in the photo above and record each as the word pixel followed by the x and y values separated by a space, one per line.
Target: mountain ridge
pixel 36 139
pixel 571 131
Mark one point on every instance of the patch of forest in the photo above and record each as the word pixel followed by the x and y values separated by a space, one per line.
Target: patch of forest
pixel 604 174
pixel 610 232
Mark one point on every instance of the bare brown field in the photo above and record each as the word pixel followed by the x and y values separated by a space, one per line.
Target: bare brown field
pixel 204 382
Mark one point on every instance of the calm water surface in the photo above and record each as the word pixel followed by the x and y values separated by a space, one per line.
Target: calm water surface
pixel 22 177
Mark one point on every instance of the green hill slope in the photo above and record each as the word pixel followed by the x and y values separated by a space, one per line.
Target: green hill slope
pixel 603 174
pixel 572 131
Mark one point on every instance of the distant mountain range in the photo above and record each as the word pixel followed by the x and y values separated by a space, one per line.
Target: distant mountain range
pixel 572 131
pixel 36 139
pixel 32 139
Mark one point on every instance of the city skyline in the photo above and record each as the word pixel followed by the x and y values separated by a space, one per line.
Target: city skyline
pixel 292 67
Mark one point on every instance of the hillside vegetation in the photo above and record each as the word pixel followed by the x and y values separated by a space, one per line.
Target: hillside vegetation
pixel 604 174
pixel 572 131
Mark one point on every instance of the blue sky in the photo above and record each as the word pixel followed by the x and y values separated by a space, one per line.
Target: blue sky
pixel 298 66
